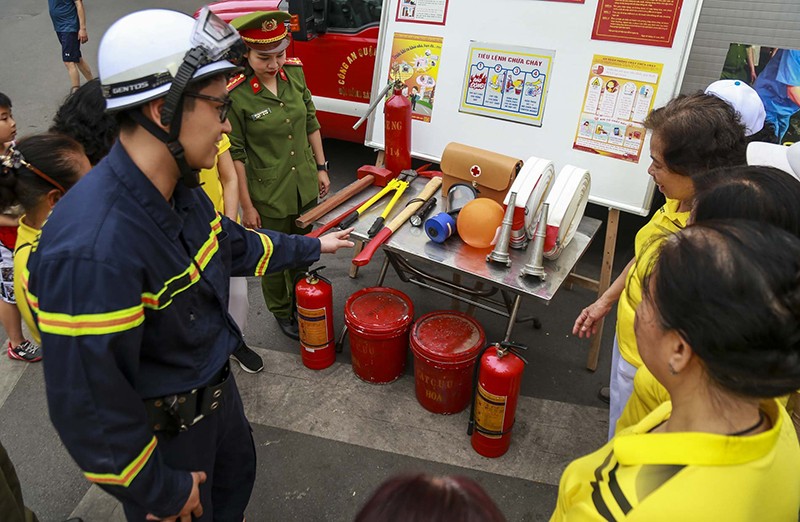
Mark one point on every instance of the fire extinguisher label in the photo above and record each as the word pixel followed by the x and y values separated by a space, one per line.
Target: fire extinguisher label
pixel 313 327
pixel 490 410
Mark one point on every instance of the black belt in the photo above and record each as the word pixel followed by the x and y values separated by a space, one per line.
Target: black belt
pixel 175 413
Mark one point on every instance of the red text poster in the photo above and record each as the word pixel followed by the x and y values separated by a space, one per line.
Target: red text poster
pixel 568 1
pixel 647 22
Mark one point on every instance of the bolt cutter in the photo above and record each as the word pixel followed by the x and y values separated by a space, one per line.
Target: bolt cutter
pixel 398 186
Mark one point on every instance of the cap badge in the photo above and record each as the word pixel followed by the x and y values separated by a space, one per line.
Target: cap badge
pixel 269 25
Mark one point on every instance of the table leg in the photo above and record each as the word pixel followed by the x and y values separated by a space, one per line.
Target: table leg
pixel 455 304
pixel 512 318
pixel 357 248
pixel 605 280
pixel 384 269
pixel 340 341
pixel 471 308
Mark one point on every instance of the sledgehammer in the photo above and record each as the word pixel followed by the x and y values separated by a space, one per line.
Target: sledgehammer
pixel 367 175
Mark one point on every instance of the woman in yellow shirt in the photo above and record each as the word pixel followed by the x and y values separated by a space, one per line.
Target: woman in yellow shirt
pixel 719 326
pixel 757 193
pixel 690 135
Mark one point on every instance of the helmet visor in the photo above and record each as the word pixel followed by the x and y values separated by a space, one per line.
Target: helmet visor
pixel 213 34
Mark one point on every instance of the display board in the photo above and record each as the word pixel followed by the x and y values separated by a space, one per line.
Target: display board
pixel 568 81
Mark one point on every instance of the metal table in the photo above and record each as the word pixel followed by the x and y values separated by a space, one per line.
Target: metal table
pixel 409 249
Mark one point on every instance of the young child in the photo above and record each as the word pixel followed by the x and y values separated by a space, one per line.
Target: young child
pixel 18 348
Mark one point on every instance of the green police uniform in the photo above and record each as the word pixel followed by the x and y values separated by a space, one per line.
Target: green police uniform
pixel 270 136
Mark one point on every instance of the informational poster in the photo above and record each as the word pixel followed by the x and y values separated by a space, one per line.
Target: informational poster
pixel 422 11
pixel 415 62
pixel 507 82
pixel 568 1
pixel 646 22
pixel 619 95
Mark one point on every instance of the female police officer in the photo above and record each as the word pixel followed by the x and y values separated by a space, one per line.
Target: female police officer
pixel 275 144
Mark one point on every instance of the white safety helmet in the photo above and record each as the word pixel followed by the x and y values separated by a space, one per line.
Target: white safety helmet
pixel 141 54
pixel 156 52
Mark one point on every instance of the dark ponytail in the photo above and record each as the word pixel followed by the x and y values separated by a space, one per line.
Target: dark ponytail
pixel 56 158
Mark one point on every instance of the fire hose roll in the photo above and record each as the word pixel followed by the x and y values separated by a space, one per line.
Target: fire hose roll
pixel 567 200
pixel 532 185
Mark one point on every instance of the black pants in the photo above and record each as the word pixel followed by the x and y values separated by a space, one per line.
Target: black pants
pixel 12 509
pixel 222 446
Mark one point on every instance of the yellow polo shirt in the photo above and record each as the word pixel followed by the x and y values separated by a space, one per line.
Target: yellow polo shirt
pixel 209 178
pixel 648 394
pixel 26 238
pixel 667 220
pixel 690 476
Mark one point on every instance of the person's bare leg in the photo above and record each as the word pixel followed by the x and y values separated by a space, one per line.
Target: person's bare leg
pixel 85 70
pixel 74 75
pixel 12 322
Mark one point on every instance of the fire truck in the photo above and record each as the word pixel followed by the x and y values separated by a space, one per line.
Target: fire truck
pixel 336 40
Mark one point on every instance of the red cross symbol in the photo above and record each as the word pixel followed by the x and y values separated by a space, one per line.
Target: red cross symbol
pixel 475 171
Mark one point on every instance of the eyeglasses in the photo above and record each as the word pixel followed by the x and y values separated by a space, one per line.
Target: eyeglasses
pixel 223 109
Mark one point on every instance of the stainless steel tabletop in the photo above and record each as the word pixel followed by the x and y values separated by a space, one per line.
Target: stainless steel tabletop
pixel 413 244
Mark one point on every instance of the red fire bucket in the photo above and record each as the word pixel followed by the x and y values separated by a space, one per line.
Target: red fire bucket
pixel 445 346
pixel 377 321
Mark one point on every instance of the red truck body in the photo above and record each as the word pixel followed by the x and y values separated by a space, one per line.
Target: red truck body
pixel 338 63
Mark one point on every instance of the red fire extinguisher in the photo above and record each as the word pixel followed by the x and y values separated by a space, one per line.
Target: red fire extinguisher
pixel 397 130
pixel 498 375
pixel 314 298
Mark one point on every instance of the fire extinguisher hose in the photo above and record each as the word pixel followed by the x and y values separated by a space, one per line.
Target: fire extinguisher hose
pixel 513 348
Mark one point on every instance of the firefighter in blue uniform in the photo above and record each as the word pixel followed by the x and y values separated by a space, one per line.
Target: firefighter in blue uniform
pixel 129 284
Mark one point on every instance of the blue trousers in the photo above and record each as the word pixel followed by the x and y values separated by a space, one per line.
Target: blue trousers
pixel 222 446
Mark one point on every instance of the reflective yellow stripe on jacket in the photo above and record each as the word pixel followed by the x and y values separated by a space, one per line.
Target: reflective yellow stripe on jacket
pixel 90 324
pixel 261 267
pixel 125 478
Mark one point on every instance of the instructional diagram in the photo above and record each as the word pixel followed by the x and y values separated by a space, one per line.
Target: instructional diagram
pixel 415 62
pixel 619 94
pixel 507 82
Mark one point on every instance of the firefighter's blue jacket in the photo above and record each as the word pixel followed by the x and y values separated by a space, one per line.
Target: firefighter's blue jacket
pixel 130 292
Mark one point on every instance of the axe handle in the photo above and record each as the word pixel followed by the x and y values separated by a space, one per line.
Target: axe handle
pixel 428 191
pixel 334 201
pixel 365 256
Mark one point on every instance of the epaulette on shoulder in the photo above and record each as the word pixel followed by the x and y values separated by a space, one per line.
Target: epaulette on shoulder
pixel 294 61
pixel 235 81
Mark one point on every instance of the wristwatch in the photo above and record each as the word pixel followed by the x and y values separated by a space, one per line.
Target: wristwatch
pixel 325 166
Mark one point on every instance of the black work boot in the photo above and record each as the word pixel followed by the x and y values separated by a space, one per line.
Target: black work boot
pixel 289 327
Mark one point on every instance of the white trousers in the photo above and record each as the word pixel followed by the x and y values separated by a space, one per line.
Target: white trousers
pixel 238 305
pixel 621 387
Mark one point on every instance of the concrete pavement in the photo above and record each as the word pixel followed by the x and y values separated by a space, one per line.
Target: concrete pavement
pixel 325 439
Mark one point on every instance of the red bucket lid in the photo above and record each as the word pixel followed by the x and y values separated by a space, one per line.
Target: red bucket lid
pixel 379 309
pixel 447 337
